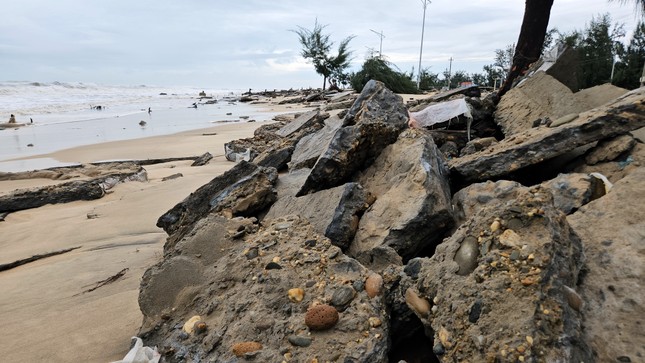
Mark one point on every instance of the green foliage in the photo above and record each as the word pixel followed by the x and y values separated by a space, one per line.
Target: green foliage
pixel 479 79
pixel 504 57
pixel 429 80
pixel 455 78
pixel 630 68
pixel 549 39
pixel 380 70
pixel 598 46
pixel 316 48
pixel 597 49
pixel 494 75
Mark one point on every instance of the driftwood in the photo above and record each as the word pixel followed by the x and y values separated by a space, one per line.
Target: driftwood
pixel 202 160
pixel 173 176
pixel 91 169
pixel 24 261
pixel 22 199
pixel 107 281
pixel 61 193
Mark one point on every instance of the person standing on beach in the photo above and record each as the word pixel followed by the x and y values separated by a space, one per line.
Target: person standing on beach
pixel 12 119
pixel 149 110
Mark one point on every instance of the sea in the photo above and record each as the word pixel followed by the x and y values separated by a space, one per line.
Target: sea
pixel 61 115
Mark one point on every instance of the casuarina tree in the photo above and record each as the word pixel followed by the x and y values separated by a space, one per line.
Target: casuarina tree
pixel 316 48
pixel 529 44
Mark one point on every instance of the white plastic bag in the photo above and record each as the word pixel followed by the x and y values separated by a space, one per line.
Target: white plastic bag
pixel 442 112
pixel 141 354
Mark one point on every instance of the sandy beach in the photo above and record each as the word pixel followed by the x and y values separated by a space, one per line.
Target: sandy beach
pixel 48 314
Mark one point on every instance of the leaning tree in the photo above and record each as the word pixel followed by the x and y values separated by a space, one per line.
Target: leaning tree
pixel 530 41
pixel 316 47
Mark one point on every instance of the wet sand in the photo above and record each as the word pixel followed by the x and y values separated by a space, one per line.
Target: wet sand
pixel 46 313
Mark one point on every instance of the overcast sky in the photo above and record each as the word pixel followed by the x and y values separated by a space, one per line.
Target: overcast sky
pixel 242 44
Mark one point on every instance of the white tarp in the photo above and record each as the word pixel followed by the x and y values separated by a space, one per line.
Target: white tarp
pixel 441 112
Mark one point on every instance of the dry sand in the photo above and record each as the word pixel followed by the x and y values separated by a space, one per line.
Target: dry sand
pixel 44 313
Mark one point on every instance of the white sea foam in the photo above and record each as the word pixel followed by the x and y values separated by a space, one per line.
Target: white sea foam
pixel 63 116
pixel 64 102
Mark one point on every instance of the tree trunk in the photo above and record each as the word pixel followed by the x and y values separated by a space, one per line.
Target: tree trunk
pixel 530 41
pixel 324 82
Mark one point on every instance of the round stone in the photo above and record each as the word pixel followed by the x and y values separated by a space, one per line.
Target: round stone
pixel 239 349
pixel 466 256
pixel 343 296
pixel 321 317
pixel 300 341
pixel 373 285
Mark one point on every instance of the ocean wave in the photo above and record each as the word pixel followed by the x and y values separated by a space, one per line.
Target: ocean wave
pixel 33 99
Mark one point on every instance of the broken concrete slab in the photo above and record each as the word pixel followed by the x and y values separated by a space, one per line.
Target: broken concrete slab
pixel 333 212
pixel 610 149
pixel 289 184
pixel 616 169
pixel 277 157
pixel 561 62
pixel 340 105
pixel 469 91
pixel 497 289
pixel 244 190
pixel 537 145
pixel 536 97
pixel 597 96
pixel 310 147
pixel 373 122
pixel 572 191
pixel 303 121
pixel 272 145
pixel 212 237
pixel 342 100
pixel 475 197
pixel 413 209
pixel 476 145
pixel 261 294
pixel 613 236
pixel 247 149
pixel 569 192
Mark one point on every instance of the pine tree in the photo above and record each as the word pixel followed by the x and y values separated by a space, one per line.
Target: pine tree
pixel 316 47
pixel 630 68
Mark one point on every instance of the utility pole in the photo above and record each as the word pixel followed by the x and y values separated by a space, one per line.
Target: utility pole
pixel 450 73
pixel 423 28
pixel 380 48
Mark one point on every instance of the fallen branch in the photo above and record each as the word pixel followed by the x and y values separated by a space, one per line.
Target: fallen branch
pixel 109 280
pixel 9 266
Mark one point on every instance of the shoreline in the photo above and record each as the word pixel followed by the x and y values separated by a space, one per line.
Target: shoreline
pixel 32 147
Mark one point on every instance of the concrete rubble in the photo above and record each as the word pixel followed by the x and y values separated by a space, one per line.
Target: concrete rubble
pixel 349 237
